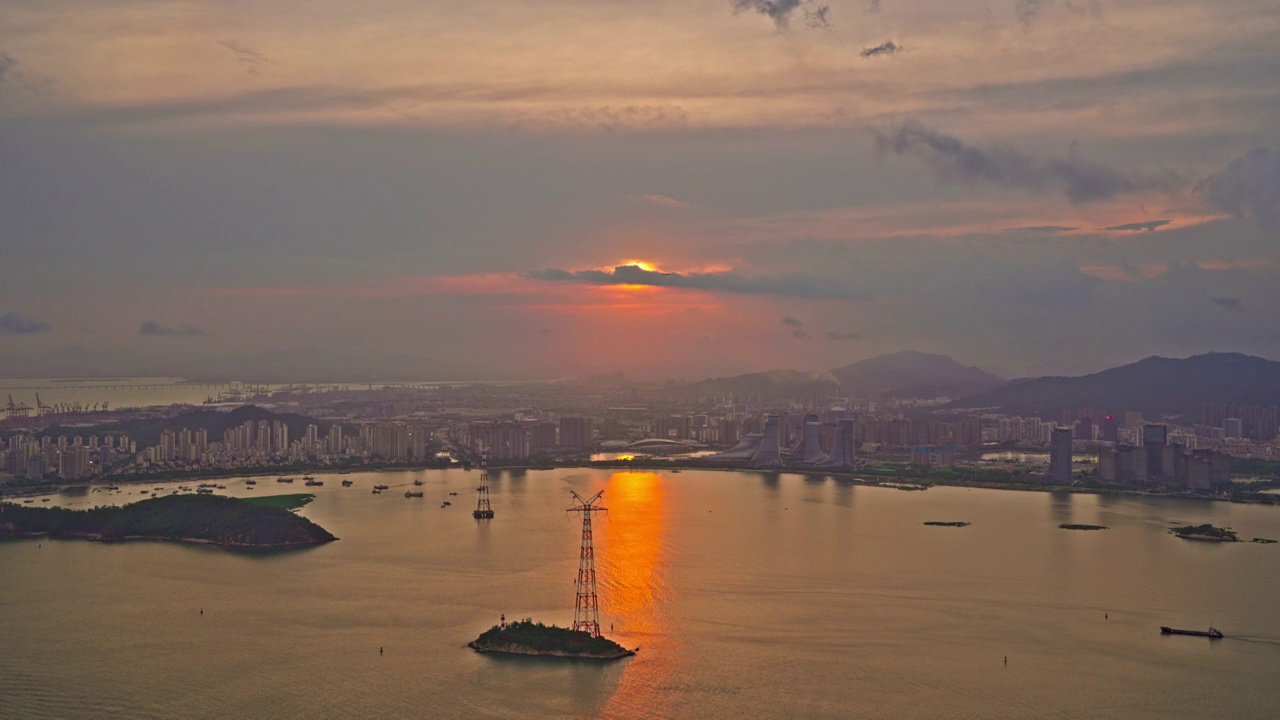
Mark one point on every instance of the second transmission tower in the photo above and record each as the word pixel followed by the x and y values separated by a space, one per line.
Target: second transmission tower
pixel 483 509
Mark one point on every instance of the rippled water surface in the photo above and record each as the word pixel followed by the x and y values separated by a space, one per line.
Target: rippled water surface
pixel 750 595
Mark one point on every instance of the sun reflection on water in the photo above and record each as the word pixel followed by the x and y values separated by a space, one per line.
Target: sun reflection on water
pixel 635 592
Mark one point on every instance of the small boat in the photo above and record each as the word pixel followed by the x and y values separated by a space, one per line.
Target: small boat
pixel 454 494
pixel 381 487
pixel 676 470
pixel 347 483
pixel 312 482
pixel 250 481
pixel 44 499
pixel 28 501
pixel 284 479
pixel 417 482
pixel 1213 633
pixel 307 478
pixel 376 491
pixel 411 494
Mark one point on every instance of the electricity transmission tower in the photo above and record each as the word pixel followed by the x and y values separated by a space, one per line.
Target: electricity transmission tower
pixel 586 606
pixel 483 510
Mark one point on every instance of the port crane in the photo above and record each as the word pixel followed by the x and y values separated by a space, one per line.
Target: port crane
pixel 12 411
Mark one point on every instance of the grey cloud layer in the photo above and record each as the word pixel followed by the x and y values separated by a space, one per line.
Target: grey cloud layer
pixel 1249 187
pixel 1147 226
pixel 888 47
pixel 17 324
pixel 151 328
pixel 952 159
pixel 251 59
pixel 790 285
pixel 781 11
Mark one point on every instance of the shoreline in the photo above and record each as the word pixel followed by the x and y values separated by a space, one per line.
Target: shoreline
pixel 98 537
pixel 892 482
pixel 527 652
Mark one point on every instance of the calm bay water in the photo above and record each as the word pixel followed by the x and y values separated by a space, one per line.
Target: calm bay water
pixel 117 392
pixel 750 595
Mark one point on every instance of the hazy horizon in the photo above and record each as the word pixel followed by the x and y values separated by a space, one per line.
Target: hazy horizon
pixel 668 189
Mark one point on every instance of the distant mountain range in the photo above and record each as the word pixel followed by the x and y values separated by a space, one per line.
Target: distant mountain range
pixel 1156 386
pixel 912 374
pixel 769 385
pixel 906 374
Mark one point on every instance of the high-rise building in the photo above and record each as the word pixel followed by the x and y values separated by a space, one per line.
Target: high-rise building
pixel 809 448
pixel 576 432
pixel 968 432
pixel 1060 455
pixel 769 452
pixel 1233 428
pixel 932 456
pixel 1084 429
pixel 842 446
pixel 1154 439
pixel 1108 429
pixel 612 429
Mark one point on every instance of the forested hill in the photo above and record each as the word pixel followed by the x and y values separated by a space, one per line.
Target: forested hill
pixel 1156 386
pixel 214 519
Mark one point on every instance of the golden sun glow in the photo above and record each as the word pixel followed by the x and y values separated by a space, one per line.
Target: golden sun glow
pixel 642 264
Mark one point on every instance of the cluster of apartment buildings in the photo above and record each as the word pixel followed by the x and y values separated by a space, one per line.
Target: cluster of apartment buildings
pixel 519 438
pixel 1157 460
pixel 67 459
pixel 252 443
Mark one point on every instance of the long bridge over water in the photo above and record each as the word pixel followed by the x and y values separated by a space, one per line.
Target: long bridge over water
pixel 147 386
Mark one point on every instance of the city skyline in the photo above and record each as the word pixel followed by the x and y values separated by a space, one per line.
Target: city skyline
pixel 1032 188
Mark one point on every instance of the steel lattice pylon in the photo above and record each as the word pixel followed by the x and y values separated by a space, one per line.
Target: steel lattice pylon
pixel 483 509
pixel 586 606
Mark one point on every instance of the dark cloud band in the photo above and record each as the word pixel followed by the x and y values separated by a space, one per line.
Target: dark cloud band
pixel 18 324
pixel 151 328
pixel 800 286
pixel 953 159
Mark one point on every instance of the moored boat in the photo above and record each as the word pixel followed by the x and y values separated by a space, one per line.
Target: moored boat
pixel 1212 633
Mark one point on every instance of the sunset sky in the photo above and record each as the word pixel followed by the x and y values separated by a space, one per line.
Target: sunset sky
pixel 669 188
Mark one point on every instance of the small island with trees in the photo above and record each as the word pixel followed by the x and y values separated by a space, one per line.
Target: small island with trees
pixel 212 519
pixel 525 637
pixel 1206 533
